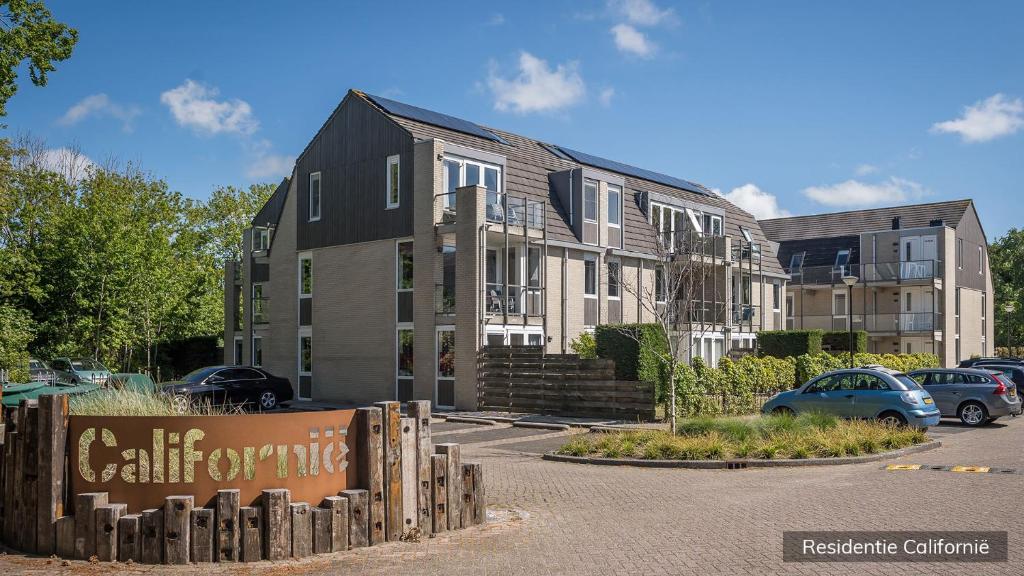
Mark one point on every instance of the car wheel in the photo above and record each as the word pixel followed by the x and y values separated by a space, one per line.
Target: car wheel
pixel 972 414
pixel 181 403
pixel 782 411
pixel 268 400
pixel 892 419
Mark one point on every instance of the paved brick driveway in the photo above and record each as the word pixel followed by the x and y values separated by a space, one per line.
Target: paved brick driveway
pixel 574 519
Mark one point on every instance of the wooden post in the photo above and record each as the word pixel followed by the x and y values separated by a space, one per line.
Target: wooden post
pixel 410 515
pixel 65 537
pixel 321 530
pixel 53 411
pixel 201 540
pixel 391 419
pixel 129 538
pixel 153 536
pixel 227 525
pixel 302 530
pixel 338 505
pixel 467 496
pixel 454 484
pixel 439 492
pixel 371 470
pixel 107 518
pixel 85 523
pixel 29 493
pixel 358 529
pixel 10 469
pixel 479 495
pixel 177 529
pixel 250 522
pixel 277 524
pixel 420 411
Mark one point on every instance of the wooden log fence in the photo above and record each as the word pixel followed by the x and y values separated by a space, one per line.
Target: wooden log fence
pixel 407 487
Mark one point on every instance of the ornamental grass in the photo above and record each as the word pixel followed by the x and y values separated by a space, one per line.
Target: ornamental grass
pixel 142 402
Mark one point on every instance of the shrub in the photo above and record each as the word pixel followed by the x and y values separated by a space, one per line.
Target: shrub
pixel 783 343
pixel 584 345
pixel 638 351
pixel 839 340
pixel 16 332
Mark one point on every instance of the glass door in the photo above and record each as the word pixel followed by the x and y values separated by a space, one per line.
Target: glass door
pixel 445 384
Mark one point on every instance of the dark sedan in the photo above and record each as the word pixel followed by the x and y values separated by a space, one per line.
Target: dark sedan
pixel 231 385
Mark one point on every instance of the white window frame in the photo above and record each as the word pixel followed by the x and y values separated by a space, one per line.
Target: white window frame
pixel 695 222
pixel 981 261
pixel 260 239
pixel 590 258
pixel 776 296
pixel 746 234
pixel 394 160
pixel 960 253
pixel 305 257
pixel 252 352
pixel 846 299
pixel 304 332
pixel 449 200
pixel 319 196
pixel 618 206
pixel 591 184
pixel 618 279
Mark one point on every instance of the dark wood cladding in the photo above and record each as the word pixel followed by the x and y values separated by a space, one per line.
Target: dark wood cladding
pixel 969 231
pixel 351 152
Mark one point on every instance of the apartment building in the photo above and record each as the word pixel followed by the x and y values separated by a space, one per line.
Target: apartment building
pixel 922 277
pixel 405 240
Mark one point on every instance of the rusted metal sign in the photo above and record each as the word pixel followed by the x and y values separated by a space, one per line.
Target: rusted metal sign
pixel 140 460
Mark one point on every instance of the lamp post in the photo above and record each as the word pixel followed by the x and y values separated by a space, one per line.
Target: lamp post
pixel 850 280
pixel 1009 308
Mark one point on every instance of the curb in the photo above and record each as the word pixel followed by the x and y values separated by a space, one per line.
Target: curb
pixel 745 463
pixel 606 428
pixel 469 420
pixel 540 425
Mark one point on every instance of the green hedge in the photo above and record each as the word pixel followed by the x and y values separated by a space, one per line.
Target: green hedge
pixel 786 343
pixel 839 340
pixel 638 351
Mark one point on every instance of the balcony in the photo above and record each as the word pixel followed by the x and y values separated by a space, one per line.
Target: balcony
pixel 519 300
pixel 884 323
pixel 694 244
pixel 502 209
pixel 746 314
pixel 261 310
pixel 877 272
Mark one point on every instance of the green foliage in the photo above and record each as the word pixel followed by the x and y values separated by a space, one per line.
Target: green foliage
pixel 16 331
pixel 839 340
pixel 1006 261
pixel 1010 351
pixel 808 366
pixel 29 32
pixel 107 262
pixel 640 352
pixel 769 437
pixel 584 345
pixel 784 343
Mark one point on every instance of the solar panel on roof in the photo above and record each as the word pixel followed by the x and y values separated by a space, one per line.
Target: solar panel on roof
pixel 434 118
pixel 598 162
pixel 555 151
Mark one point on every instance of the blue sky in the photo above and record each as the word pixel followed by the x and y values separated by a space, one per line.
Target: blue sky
pixel 788 106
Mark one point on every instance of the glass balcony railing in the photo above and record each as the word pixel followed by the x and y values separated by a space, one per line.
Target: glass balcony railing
pixel 515 210
pixel 866 273
pixel 519 300
pixel 896 322
pixel 260 310
pixel 690 242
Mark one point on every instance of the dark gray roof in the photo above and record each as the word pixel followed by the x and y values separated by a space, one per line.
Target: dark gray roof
pixel 270 213
pixel 530 161
pixel 860 221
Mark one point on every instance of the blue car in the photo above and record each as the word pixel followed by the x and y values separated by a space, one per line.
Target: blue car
pixel 870 392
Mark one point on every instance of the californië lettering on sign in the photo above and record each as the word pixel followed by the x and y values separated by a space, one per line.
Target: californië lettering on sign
pixel 177 458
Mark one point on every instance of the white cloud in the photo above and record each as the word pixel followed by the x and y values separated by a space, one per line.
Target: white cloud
pixel 68 162
pixel 856 194
pixel 988 119
pixel 605 97
pixel 643 12
pixel 631 41
pixel 759 203
pixel 865 169
pixel 266 165
pixel 195 106
pixel 537 87
pixel 100 105
pixel 496 19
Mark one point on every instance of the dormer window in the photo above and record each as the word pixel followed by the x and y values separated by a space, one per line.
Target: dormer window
pixel 842 260
pixel 260 239
pixel 796 261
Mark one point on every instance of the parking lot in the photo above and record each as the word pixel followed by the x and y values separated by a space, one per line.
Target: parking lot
pixel 556 518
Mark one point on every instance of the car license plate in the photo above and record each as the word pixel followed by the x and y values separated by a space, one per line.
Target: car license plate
pixel 929 401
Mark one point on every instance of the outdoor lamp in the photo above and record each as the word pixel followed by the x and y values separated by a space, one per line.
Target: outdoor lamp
pixel 850 280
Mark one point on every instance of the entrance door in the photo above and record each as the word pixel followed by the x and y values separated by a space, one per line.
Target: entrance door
pixel 444 387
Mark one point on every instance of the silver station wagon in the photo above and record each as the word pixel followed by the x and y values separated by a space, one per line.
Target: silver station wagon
pixel 976 396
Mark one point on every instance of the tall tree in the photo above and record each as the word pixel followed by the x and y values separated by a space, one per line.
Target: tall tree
pixel 29 32
pixel 1006 260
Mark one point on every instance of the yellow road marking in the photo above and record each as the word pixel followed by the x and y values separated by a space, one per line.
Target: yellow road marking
pixel 903 467
pixel 969 469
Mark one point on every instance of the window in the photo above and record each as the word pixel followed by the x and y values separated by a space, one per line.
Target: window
pixel 776 295
pixel 305 354
pixel 259 305
pixel 842 259
pixel 305 276
pixel 960 253
pixel 746 234
pixel 590 276
pixel 796 261
pixel 257 351
pixel 695 224
pixel 404 361
pixel 839 303
pixel 614 207
pixel 405 267
pixel 314 196
pixel 260 239
pixel 394 178
pixel 981 260
pixel 712 224
pixel 613 280
pixel 459 172
pixel 590 202
pixel 910 299
pixel 452 179
pixel 659 284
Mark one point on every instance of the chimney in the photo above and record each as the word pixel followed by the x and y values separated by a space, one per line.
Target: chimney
pixel 896 223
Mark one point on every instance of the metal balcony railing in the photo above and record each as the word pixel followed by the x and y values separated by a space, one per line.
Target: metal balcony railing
pixel 515 210
pixel 746 314
pixel 693 243
pixel 866 273
pixel 896 322
pixel 520 300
